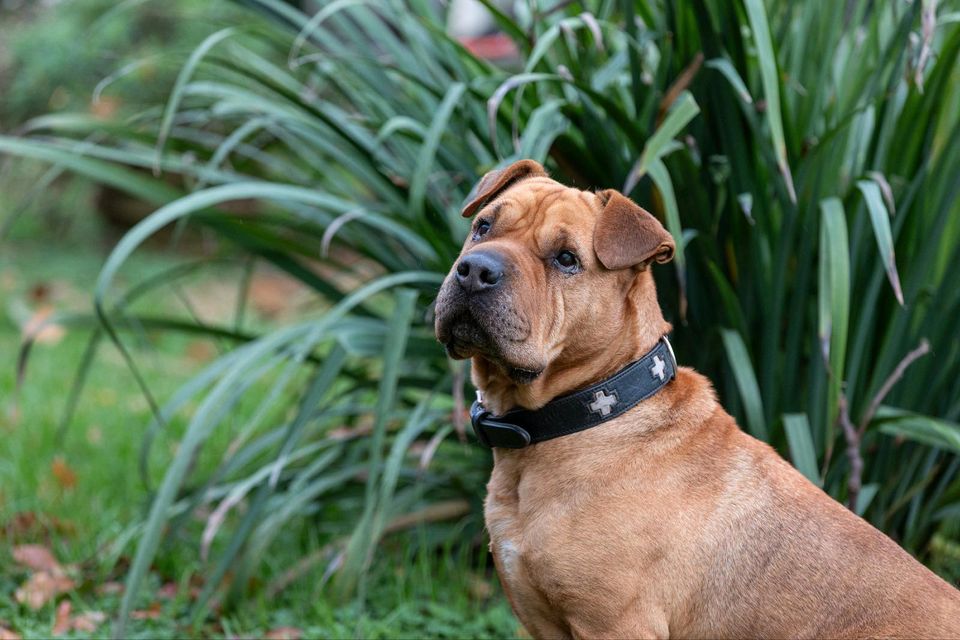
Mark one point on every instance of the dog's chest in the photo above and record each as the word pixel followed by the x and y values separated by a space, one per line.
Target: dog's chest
pixel 525 536
pixel 513 542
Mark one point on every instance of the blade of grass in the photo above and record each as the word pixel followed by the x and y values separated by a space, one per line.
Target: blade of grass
pixel 739 361
pixel 880 220
pixel 800 440
pixel 833 303
pixel 179 86
pixel 769 77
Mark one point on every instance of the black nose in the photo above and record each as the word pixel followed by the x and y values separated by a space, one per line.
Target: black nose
pixel 480 271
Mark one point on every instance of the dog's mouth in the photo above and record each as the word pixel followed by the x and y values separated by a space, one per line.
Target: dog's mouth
pixel 486 327
pixel 464 337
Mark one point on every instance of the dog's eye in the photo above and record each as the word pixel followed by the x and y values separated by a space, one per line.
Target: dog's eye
pixel 482 227
pixel 567 261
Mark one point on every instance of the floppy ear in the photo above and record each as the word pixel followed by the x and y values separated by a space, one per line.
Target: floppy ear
pixel 496 181
pixel 627 235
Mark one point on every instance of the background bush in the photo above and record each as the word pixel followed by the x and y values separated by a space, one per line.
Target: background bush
pixel 59 53
pixel 799 152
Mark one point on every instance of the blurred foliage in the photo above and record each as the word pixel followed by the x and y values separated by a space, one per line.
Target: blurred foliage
pixel 55 54
pixel 798 151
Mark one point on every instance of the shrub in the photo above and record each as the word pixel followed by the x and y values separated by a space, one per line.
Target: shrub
pixel 799 153
pixel 58 55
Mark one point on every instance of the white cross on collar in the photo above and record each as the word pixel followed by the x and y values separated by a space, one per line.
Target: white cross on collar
pixel 602 403
pixel 658 370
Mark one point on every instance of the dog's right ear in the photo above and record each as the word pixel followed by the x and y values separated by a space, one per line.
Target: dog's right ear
pixel 496 181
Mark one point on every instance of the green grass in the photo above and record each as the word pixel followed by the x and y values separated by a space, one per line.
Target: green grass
pixel 414 590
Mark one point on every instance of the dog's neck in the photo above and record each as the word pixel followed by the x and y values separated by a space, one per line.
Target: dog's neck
pixel 612 347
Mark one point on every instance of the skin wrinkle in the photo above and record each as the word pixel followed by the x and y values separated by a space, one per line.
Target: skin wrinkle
pixel 667 520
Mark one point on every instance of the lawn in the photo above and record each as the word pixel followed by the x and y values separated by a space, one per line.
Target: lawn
pixel 78 492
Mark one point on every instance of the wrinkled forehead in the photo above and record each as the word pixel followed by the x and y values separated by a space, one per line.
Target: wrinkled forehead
pixel 544 207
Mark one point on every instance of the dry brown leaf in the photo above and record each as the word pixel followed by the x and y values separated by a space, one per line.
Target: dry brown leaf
pixel 7 634
pixel 273 294
pixel 37 328
pixel 20 525
pixel 41 588
pixel 64 475
pixel 480 588
pixel 284 633
pixel 40 292
pixel 37 558
pixel 61 623
pixel 29 525
pixel 105 107
pixel 111 588
pixel 87 622
pixel 346 433
pixel 200 351
pixel 150 613
pixel 168 590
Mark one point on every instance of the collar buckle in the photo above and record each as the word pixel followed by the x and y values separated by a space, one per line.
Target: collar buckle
pixel 477 415
pixel 496 433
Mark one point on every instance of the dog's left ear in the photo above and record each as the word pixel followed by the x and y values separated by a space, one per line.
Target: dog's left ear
pixel 496 181
pixel 627 235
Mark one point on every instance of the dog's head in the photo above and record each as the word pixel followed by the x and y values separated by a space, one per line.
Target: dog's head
pixel 546 270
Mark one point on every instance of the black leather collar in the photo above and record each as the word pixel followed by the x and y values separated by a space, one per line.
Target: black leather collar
pixel 579 410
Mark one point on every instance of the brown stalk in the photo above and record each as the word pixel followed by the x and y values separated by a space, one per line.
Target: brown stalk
pixel 921 350
pixel 854 435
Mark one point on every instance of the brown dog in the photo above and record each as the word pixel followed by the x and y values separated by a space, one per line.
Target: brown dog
pixel 667 520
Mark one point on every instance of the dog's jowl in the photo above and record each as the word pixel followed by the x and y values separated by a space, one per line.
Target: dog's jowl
pixel 624 501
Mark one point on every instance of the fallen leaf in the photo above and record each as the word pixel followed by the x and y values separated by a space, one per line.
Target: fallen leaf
pixel 110 588
pixel 41 588
pixel 200 351
pixel 480 588
pixel 65 476
pixel 86 622
pixel 40 292
pixel 105 107
pixel 346 433
pixel 284 633
pixel 37 558
pixel 168 590
pixel 150 613
pixel 40 330
pixel 272 294
pixel 19 525
pixel 29 525
pixel 61 623
pixel 7 634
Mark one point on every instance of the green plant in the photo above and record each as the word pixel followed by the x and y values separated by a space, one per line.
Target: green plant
pixel 774 139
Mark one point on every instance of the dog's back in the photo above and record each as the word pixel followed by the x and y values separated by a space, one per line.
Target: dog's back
pixel 789 561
